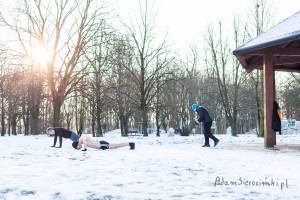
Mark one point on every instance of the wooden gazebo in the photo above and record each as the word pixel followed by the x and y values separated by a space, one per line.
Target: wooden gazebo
pixel 277 49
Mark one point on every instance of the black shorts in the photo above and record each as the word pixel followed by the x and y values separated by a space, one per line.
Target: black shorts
pixel 104 145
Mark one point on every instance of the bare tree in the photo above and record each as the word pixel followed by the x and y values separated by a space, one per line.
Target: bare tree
pixel 186 91
pixel 150 58
pixel 69 111
pixel 14 98
pixel 99 60
pixel 80 107
pixel 64 28
pixel 32 98
pixel 290 97
pixel 122 90
pixel 260 20
pixel 228 72
pixel 3 83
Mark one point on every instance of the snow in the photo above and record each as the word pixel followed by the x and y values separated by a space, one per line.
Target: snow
pixel 159 168
pixel 287 130
pixel 171 132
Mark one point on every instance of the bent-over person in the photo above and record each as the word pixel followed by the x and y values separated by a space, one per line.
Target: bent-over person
pixel 62 133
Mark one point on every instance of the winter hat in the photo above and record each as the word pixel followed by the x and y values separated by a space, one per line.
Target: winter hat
pixel 50 129
pixel 75 144
pixel 194 106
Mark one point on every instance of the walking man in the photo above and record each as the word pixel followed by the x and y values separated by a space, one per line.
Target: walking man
pixel 204 117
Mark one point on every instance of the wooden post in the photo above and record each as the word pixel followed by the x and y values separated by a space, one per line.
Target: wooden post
pixel 274 97
pixel 269 76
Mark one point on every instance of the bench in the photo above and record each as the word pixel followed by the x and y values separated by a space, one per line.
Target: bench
pixel 133 133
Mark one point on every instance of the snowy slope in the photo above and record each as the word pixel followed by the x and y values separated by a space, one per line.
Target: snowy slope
pixel 159 168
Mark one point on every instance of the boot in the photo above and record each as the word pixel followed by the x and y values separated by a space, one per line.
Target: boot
pixel 132 145
pixel 216 142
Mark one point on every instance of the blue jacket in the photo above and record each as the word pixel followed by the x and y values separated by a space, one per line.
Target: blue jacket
pixel 203 115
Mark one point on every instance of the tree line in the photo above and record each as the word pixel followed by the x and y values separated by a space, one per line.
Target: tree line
pixel 102 77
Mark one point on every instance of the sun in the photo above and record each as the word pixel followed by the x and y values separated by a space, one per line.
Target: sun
pixel 40 55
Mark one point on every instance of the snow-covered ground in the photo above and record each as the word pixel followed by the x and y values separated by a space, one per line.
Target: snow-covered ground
pixel 286 129
pixel 159 168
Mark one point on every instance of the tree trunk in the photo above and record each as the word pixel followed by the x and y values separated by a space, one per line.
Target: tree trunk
pixel 122 124
pixel 145 123
pixel 26 123
pixel 35 116
pixel 234 128
pixel 81 119
pixel 158 123
pixel 98 125
pixel 57 103
pixel 259 103
pixel 2 118
pixel 93 117
pixel 14 124
pixel 98 120
pixel 93 125
pixel 126 118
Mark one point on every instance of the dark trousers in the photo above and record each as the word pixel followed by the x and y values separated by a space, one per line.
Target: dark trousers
pixel 207 132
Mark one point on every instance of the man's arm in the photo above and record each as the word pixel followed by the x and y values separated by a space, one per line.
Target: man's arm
pixel 201 116
pixel 60 140
pixel 79 142
pixel 55 139
pixel 82 142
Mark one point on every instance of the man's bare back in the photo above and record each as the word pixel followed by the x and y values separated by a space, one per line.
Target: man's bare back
pixel 87 141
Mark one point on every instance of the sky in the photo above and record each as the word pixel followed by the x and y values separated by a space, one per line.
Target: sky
pixel 173 168
pixel 185 21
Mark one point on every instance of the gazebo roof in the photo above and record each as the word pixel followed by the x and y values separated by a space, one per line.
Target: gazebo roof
pixel 281 41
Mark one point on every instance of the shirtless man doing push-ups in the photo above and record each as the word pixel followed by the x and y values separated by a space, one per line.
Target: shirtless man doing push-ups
pixel 86 141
